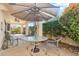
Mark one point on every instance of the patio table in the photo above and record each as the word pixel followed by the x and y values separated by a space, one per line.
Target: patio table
pixel 34 39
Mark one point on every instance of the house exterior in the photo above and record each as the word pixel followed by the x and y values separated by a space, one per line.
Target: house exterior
pixel 3 17
pixel 6 17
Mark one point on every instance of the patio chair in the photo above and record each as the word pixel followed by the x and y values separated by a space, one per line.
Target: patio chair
pixel 56 40
pixel 6 41
pixel 14 39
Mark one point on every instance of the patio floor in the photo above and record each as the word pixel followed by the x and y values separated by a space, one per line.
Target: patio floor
pixel 45 50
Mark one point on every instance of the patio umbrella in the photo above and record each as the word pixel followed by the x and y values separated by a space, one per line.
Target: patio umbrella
pixel 33 11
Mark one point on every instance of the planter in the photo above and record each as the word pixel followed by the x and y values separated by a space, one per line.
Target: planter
pixel 49 36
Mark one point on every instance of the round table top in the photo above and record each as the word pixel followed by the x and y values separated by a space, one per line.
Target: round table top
pixel 30 38
pixel 34 38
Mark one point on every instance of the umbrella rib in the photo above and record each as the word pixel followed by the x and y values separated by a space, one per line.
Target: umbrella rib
pixel 27 15
pixel 30 17
pixel 47 14
pixel 21 5
pixel 21 11
pixel 54 6
pixel 17 4
pixel 42 16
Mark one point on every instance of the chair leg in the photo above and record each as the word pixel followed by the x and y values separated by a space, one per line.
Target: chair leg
pixel 17 41
pixel 10 42
pixel 57 43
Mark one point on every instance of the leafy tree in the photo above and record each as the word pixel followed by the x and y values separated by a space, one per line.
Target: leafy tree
pixel 70 22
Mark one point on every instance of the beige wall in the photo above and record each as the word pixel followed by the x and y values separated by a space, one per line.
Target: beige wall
pixel 3 16
pixel 3 28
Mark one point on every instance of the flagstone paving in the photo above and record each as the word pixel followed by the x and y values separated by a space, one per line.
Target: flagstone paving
pixel 45 50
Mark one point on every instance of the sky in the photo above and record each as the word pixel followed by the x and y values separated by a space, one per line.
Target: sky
pixel 62 7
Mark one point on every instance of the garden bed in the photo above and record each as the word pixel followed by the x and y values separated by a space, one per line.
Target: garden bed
pixel 73 49
pixel 69 41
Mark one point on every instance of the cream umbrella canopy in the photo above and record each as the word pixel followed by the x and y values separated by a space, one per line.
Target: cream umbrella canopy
pixel 33 11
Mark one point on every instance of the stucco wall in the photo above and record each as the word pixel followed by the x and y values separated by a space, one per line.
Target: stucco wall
pixel 3 16
pixel 2 28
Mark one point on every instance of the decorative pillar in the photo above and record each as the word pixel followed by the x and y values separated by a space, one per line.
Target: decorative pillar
pixel 40 33
pixel 21 29
pixel 27 28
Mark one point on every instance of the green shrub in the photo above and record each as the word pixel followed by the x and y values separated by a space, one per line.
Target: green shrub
pixel 53 28
pixel 16 30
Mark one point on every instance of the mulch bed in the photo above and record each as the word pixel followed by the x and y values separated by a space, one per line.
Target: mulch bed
pixel 73 49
